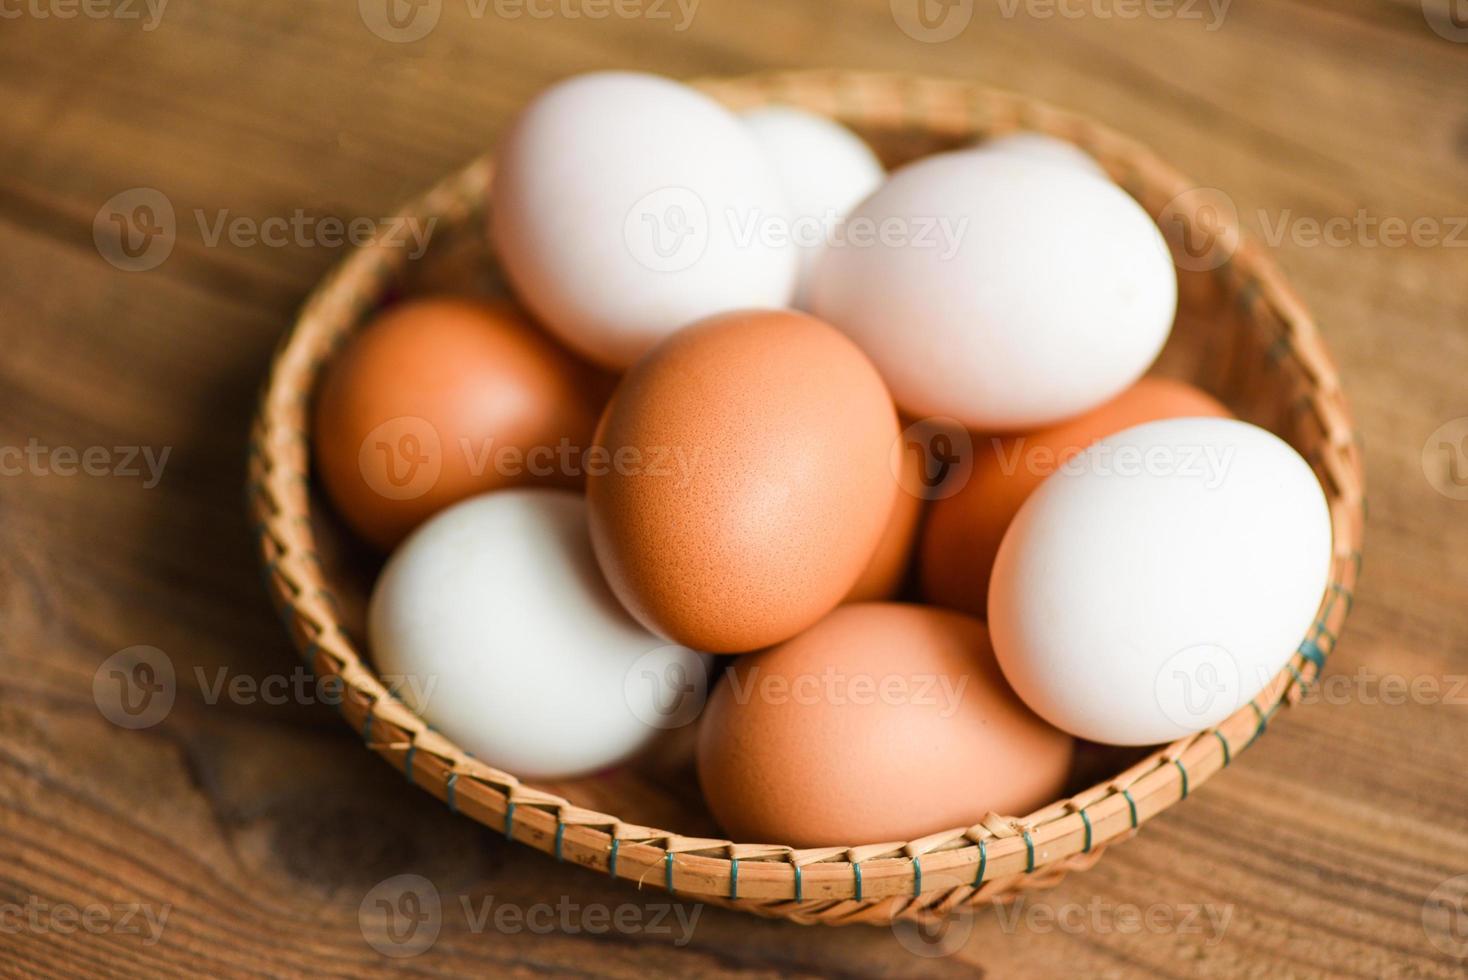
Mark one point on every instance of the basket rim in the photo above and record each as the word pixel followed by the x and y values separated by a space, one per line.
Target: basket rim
pixel 922 877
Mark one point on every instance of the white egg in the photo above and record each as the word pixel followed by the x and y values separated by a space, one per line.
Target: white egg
pixel 1000 294
pixel 493 622
pixel 1042 148
pixel 825 170
pixel 626 205
pixel 1158 581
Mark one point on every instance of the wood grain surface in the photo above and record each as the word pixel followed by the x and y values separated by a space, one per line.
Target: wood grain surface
pixel 243 833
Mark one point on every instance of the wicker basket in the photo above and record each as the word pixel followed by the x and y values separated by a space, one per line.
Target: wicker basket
pixel 1242 333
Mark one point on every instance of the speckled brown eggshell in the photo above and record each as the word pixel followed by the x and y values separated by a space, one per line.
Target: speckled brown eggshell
pixel 883 722
pixel 414 413
pixel 887 569
pixel 754 485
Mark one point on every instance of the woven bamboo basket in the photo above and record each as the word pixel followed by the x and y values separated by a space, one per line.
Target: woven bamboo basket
pixel 1242 333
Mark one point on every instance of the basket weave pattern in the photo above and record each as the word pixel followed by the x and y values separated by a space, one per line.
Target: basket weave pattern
pixel 1262 354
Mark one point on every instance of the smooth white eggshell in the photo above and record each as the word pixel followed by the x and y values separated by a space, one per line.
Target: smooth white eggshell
pixel 493 623
pixel 1157 582
pixel 1042 148
pixel 825 170
pixel 1051 291
pixel 626 205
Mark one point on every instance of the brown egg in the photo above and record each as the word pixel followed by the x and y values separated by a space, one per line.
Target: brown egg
pixel 746 482
pixel 887 569
pixel 963 531
pixel 440 399
pixel 883 722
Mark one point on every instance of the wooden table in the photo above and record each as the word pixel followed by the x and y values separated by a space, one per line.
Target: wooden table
pixel 257 825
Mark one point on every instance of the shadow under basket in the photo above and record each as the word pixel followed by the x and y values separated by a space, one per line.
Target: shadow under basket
pixel 1242 334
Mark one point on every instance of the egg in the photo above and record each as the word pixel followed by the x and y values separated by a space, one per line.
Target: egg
pixel 882 722
pixel 1157 583
pixel 439 399
pixel 492 622
pixel 824 169
pixel 999 294
pixel 1042 148
pixel 886 571
pixel 963 531
pixel 745 483
pixel 624 206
